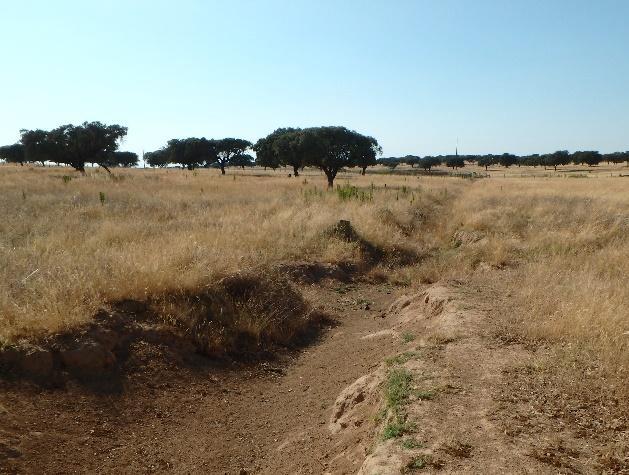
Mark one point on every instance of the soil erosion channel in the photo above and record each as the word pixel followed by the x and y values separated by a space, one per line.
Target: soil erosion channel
pixel 268 417
pixel 319 410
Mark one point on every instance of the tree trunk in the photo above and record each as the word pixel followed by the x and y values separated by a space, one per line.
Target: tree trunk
pixel 222 169
pixel 330 174
pixel 364 170
pixel 296 170
pixel 555 167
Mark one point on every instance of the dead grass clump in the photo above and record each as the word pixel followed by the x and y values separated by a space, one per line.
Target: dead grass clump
pixel 243 314
pixel 370 254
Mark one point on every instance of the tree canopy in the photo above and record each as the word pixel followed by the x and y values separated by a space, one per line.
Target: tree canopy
pixel 327 148
pixel 191 153
pixel 485 161
pixel 243 160
pixel 365 150
pixel 333 148
pixel 195 152
pixel 123 159
pixel 13 153
pixel 454 161
pixel 73 145
pixel 281 147
pixel 427 163
pixel 411 160
pixel 589 158
pixel 389 162
pixel 507 159
pixel 159 158
pixel 226 149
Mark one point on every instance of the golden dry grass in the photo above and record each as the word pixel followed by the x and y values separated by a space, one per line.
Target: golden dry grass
pixel 64 254
pixel 564 245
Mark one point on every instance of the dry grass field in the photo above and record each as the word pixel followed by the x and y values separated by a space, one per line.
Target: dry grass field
pixel 537 331
pixel 71 244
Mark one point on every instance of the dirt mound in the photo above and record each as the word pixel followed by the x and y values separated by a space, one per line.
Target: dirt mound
pixel 429 303
pixel 463 413
pixel 386 459
pixel 243 315
pixel 353 405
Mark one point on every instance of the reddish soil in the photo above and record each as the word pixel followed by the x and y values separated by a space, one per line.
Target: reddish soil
pixel 208 418
pixel 273 417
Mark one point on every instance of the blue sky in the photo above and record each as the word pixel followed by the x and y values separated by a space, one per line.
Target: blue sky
pixel 503 76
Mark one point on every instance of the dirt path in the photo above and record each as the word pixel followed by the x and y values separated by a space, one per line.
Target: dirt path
pixel 313 412
pixel 270 418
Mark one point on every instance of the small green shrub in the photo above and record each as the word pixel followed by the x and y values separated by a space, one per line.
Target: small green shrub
pixel 398 388
pixel 395 429
pixel 348 192
pixel 411 443
pixel 418 463
pixel 401 358
pixel 312 193
pixel 424 394
pixel 407 337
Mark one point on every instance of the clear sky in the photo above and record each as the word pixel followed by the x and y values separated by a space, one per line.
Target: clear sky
pixel 518 76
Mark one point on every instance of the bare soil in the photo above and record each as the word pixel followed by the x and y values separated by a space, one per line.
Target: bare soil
pixel 316 410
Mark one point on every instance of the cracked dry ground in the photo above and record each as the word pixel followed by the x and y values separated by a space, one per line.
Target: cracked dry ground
pixel 473 407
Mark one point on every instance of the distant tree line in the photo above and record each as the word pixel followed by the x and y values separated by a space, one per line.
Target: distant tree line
pixel 329 148
pixel 73 145
pixel 560 157
pixel 194 153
